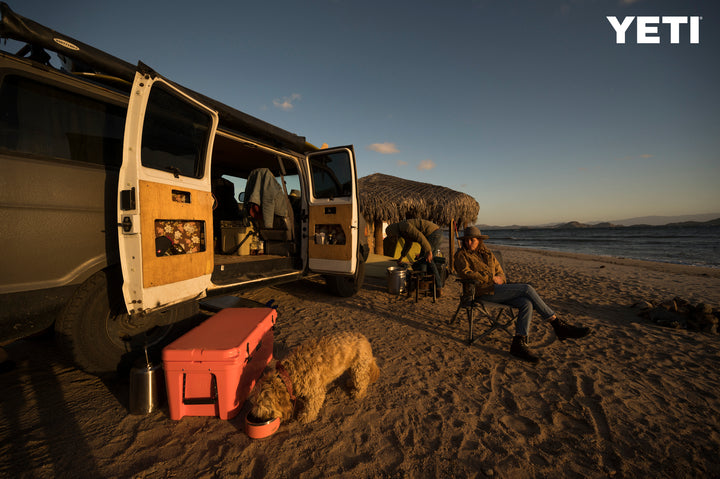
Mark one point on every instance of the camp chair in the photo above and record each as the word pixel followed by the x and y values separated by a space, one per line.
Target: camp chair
pixel 493 313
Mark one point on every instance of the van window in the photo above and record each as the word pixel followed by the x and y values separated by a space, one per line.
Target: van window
pixel 41 119
pixel 175 135
pixel 331 175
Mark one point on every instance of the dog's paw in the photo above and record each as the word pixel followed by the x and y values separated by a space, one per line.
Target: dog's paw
pixel 304 418
pixel 358 393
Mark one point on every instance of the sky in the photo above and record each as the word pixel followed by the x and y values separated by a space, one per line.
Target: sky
pixel 530 107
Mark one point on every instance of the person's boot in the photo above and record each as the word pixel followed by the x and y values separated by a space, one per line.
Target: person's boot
pixel 519 349
pixel 564 330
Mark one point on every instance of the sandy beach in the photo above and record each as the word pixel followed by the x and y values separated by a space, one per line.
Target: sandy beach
pixel 633 400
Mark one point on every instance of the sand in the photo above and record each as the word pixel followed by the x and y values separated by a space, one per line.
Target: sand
pixel 633 400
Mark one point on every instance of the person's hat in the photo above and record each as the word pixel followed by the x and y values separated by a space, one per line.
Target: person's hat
pixel 473 232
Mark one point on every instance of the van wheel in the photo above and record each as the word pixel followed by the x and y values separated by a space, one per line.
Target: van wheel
pixel 94 329
pixel 346 286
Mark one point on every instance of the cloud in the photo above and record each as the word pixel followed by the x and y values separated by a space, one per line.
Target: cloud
pixel 646 156
pixel 384 148
pixel 426 165
pixel 401 163
pixel 287 103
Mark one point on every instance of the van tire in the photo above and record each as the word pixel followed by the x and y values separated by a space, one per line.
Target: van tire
pixel 346 286
pixel 94 329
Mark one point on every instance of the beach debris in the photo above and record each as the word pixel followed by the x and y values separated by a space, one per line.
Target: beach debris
pixel 680 313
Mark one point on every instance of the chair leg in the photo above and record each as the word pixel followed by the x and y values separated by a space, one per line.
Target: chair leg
pixel 503 326
pixel 452 320
pixel 471 319
pixel 495 321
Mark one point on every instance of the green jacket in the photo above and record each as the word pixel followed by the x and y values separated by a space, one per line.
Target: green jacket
pixel 413 231
pixel 480 265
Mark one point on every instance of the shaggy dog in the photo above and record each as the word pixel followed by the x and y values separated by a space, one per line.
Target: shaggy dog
pixel 308 371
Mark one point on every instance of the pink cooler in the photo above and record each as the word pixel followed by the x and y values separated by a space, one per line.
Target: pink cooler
pixel 211 370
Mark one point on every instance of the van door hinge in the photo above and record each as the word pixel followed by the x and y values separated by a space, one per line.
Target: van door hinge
pixel 127 199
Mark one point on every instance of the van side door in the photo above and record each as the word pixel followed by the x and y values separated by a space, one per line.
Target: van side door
pixel 333 211
pixel 164 199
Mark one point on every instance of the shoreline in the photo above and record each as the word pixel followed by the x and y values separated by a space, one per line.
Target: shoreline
pixel 639 263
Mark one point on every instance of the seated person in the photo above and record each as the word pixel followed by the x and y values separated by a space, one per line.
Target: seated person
pixel 475 261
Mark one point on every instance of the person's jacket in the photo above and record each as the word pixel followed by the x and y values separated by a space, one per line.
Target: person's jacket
pixel 263 189
pixel 413 231
pixel 479 265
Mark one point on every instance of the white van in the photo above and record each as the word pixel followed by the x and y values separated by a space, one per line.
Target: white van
pixel 125 198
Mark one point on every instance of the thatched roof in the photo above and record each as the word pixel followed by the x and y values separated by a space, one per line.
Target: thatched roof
pixel 392 199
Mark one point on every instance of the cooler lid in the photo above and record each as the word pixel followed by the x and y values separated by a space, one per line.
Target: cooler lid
pixel 226 336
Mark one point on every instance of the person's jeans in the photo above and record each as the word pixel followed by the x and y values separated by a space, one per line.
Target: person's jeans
pixel 525 298
pixel 435 238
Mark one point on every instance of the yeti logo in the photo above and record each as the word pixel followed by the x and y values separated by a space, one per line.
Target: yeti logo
pixel 647 28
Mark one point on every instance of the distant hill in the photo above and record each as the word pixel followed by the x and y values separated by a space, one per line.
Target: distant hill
pixel 664 220
pixel 715 222
pixel 577 224
pixel 709 219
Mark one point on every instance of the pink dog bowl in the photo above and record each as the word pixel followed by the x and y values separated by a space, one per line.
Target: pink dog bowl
pixel 259 428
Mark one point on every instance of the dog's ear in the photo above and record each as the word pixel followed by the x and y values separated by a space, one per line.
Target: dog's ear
pixel 257 388
pixel 262 399
pixel 282 398
pixel 270 399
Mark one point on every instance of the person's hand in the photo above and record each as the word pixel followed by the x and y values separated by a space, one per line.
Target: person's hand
pixel 499 280
pixel 429 257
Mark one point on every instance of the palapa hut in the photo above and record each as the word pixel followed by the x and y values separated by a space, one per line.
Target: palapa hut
pixel 385 198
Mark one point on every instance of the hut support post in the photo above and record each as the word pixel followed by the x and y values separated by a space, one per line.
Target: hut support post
pixel 451 249
pixel 378 232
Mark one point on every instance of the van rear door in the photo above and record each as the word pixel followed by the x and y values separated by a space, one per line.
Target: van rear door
pixel 164 199
pixel 333 211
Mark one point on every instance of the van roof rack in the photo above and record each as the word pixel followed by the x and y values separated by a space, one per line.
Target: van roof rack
pixel 40 38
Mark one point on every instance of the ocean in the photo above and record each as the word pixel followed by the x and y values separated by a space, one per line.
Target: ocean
pixel 689 245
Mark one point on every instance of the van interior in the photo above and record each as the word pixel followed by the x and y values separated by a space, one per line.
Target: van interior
pixel 256 212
